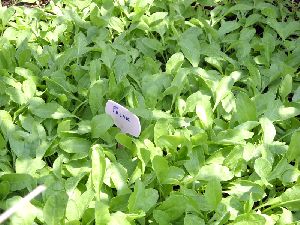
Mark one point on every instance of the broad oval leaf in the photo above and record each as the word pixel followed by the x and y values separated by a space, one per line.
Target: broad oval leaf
pixel 75 145
pixel 190 45
pixel 50 110
pixel 214 172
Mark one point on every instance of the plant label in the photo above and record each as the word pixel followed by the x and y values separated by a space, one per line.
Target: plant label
pixel 124 119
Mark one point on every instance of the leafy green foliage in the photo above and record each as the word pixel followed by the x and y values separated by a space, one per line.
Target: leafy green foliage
pixel 214 83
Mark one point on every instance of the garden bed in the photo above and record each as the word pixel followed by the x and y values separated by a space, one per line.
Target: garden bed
pixel 215 85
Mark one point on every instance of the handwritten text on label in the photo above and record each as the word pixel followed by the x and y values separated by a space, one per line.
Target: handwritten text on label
pixel 115 110
pixel 123 118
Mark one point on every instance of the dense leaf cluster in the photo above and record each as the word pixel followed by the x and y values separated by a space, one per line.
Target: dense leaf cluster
pixel 214 83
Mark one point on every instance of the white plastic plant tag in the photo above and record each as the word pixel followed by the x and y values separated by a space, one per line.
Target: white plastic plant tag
pixel 123 118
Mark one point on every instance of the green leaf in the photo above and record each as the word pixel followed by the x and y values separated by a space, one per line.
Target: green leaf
pixel 252 19
pixel 29 88
pixel 190 219
pixel 100 124
pixel 75 145
pixel 149 196
pixel 284 29
pixel 98 169
pixel 245 108
pixel 244 189
pixel 166 174
pixel 2 142
pixel 236 135
pixel 215 62
pixel 80 42
pixel 204 112
pixel 172 142
pixel 263 168
pixel 269 44
pixel 190 45
pixel 5 189
pixel 293 150
pixel 269 131
pixel 28 165
pixel 277 111
pixel 116 24
pixel 6 123
pixel 121 66
pixel 286 86
pixel 125 140
pixel 227 27
pixel 224 86
pixel 6 15
pixel 296 96
pixel 156 17
pixel 289 199
pixel 152 44
pixel 119 218
pixel 54 208
pixel 214 172
pixel 49 110
pixel 213 193
pixel 286 217
pixel 16 95
pixel 108 55
pixel 279 169
pixel 193 100
pixel 249 218
pixel 172 208
pixel 84 127
pixel 96 94
pixel 77 205
pixel 161 217
pixel 177 84
pixel 117 174
pixel 174 63
pixel 248 206
pixel 25 216
pixel 229 208
pixel 102 215
pixel 19 181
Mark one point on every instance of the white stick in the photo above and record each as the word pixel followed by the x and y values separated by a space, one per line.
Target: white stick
pixel 4 216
